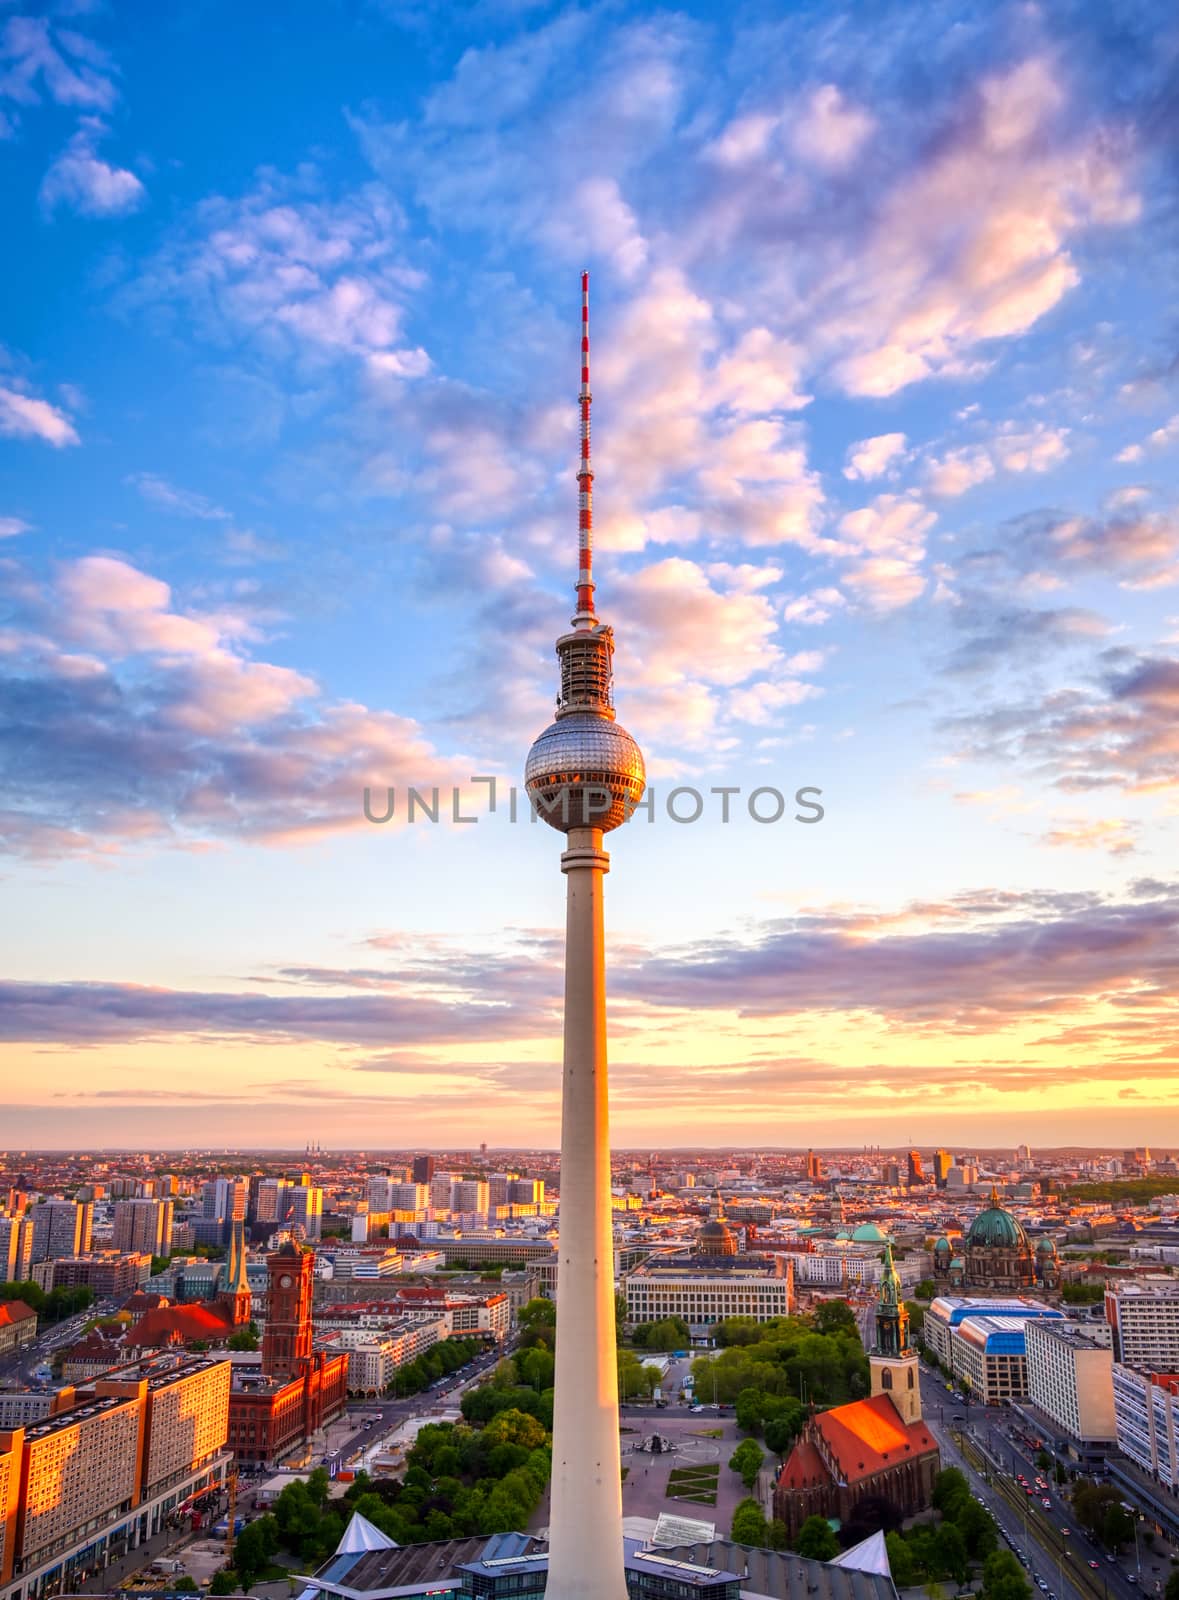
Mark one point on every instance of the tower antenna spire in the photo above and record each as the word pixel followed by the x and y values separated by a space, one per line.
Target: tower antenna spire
pixel 585 481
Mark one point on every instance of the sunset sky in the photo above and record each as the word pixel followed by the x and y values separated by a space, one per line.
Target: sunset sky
pixel 886 423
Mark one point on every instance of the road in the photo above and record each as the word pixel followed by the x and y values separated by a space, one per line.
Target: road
pixel 1045 1536
pixel 1033 1537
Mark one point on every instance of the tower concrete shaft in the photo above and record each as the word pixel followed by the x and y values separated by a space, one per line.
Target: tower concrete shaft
pixel 585 1533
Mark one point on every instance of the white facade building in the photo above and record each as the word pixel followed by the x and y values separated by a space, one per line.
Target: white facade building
pixel 1145 1324
pixel 705 1295
pixel 1070 1377
pixel 1145 1407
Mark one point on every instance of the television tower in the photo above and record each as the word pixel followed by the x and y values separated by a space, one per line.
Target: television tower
pixel 585 775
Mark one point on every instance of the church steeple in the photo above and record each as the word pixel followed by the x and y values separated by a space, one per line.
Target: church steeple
pixel 892 1361
pixel 235 1293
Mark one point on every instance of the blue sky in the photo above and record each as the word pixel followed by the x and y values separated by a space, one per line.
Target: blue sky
pixel 885 428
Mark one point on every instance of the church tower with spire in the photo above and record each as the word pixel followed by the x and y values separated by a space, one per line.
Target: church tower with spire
pixel 892 1361
pixel 235 1297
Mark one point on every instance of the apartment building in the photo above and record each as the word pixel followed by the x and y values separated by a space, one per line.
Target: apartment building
pixel 81 1486
pixel 18 1326
pixel 1070 1380
pixel 143 1226
pixel 62 1228
pixel 109 1273
pixel 376 1354
pixel 1146 1415
pixel 1145 1325
pixel 16 1248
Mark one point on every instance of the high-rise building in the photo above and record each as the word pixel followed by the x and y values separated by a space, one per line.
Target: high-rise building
pixel 423 1168
pixel 1070 1379
pixel 144 1225
pixel 943 1161
pixel 306 1209
pixel 584 774
pixel 1145 1326
pixel 91 1480
pixel 814 1167
pixel 16 1248
pixel 891 1175
pixel 916 1172
pixel 272 1203
pixel 469 1195
pixel 62 1228
pixel 225 1199
pixel 526 1192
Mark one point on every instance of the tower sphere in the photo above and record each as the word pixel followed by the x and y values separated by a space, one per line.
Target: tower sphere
pixel 584 771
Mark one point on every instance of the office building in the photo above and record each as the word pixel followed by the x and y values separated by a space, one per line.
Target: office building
pixel 143 1226
pixel 1070 1382
pixel 305 1210
pixel 947 1313
pixel 225 1199
pixel 891 1175
pixel 706 1291
pixel 915 1174
pixel 942 1163
pixel 423 1169
pixel 1144 1323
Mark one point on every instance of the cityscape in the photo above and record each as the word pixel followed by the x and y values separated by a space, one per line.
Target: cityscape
pixel 800 1217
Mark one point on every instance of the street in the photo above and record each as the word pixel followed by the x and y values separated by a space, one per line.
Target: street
pixel 1052 1556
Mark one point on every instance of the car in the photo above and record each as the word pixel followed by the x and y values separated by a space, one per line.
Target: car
pixel 1096 1565
pixel 1046 1502
pixel 1042 1586
pixel 1064 1532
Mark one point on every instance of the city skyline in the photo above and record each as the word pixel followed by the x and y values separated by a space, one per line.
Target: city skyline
pixel 887 512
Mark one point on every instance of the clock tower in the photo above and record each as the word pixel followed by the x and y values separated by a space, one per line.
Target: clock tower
pixel 286 1343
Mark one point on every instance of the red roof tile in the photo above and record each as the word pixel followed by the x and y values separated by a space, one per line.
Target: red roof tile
pixel 180 1325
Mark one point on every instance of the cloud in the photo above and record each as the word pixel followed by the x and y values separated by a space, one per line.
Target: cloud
pixel 182 734
pixel 957 471
pixel 23 416
pixel 1115 730
pixel 1114 835
pixel 1139 546
pixel 183 502
pixel 38 59
pixel 972 245
pixel 302 275
pixel 830 131
pixel 887 539
pixel 83 182
pixel 11 526
pixel 871 458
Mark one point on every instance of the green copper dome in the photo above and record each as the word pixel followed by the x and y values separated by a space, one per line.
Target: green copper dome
pixel 996 1228
pixel 868 1233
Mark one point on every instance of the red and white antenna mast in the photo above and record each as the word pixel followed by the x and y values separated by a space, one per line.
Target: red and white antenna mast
pixel 585 482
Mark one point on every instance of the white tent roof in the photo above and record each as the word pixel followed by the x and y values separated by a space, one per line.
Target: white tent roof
pixel 360 1535
pixel 870 1555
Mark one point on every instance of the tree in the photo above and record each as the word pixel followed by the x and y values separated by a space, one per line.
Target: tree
pixel 835 1316
pixel 243 1339
pixel 816 1540
pixel 782 1430
pixel 183 1585
pixel 950 1547
pixel 515 1427
pixel 224 1582
pixel 925 1290
pixel 900 1561
pixel 1003 1578
pixel 749 1525
pixel 746 1459
pixel 950 1492
pixel 254 1549
pixel 1117 1526
pixel 1043 1461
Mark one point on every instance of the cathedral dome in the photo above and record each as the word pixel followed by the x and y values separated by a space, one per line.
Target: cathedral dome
pixel 1046 1247
pixel 715 1239
pixel 995 1228
pixel 868 1233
